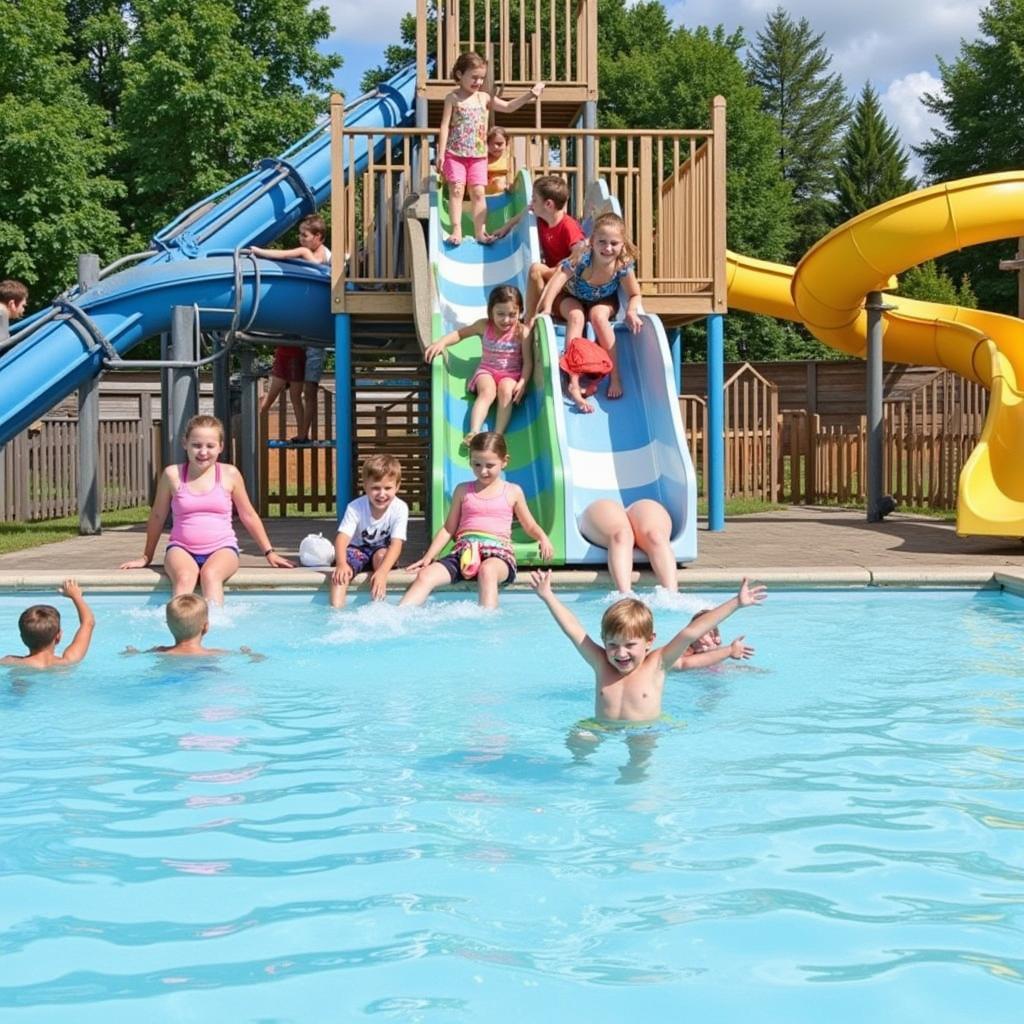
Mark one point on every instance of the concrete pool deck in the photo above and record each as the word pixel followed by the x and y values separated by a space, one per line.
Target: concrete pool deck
pixel 797 546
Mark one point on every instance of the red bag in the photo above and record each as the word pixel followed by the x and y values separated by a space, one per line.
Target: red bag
pixel 585 358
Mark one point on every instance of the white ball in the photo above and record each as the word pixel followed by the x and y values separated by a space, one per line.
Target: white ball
pixel 316 549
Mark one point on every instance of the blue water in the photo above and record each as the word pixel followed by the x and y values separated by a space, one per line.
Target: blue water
pixel 382 820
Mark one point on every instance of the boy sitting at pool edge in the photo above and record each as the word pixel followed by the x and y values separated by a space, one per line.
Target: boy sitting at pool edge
pixel 629 672
pixel 40 633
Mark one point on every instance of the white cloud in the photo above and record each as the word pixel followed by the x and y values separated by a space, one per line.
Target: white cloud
pixel 902 105
pixel 368 21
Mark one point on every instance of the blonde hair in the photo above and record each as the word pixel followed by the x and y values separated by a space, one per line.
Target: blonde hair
pixel 380 467
pixel 202 422
pixel 187 614
pixel 628 618
pixel 629 252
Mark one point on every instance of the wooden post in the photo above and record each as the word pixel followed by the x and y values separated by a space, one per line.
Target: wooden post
pixel 1017 264
pixel 720 302
pixel 338 211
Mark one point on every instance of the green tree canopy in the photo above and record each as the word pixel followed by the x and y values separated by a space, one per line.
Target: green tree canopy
pixel 789 63
pixel 982 108
pixel 56 200
pixel 873 165
pixel 931 283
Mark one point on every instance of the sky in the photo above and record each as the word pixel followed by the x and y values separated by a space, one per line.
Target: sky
pixel 894 44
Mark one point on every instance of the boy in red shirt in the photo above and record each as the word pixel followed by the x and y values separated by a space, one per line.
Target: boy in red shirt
pixel 558 231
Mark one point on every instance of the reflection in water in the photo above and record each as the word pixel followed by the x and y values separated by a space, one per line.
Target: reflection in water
pixel 585 737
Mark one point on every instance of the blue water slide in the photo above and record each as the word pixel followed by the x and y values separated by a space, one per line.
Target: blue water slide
pixel 59 348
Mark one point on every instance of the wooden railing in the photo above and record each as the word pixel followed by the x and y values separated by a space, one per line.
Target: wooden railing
pixel 670 186
pixel 525 41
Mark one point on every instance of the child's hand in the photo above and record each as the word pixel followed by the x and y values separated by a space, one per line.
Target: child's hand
pixel 379 585
pixel 130 650
pixel 547 552
pixel 439 167
pixel 518 391
pixel 739 650
pixel 251 654
pixel 342 575
pixel 749 595
pixel 540 580
pixel 69 588
pixel 537 89
pixel 416 566
pixel 279 561
pixel 135 563
pixel 633 321
pixel 433 351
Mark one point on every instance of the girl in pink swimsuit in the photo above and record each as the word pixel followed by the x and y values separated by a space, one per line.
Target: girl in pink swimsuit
pixel 480 521
pixel 462 145
pixel 506 362
pixel 201 493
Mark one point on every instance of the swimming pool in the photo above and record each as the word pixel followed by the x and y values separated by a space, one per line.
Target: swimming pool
pixel 382 821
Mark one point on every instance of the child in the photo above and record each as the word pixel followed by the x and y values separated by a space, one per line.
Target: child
pixel 588 289
pixel 629 673
pixel 645 524
pixel 480 520
pixel 40 633
pixel 188 619
pixel 506 362
pixel 497 161
pixel 13 299
pixel 299 370
pixel 558 232
pixel 462 145
pixel 379 523
pixel 707 650
pixel 203 546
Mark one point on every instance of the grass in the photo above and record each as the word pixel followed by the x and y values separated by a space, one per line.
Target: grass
pixel 19 536
pixel 741 507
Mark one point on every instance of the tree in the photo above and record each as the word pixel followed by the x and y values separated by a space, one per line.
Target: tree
pixel 789 64
pixel 56 201
pixel 981 105
pixel 932 284
pixel 873 164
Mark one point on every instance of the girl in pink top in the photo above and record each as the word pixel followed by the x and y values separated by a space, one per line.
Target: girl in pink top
pixel 202 493
pixel 462 145
pixel 480 520
pixel 506 362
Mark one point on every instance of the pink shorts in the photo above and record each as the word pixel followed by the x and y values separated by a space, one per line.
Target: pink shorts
pixel 498 375
pixel 465 170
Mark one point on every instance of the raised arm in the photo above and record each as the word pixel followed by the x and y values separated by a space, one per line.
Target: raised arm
pixel 76 650
pixel 592 653
pixel 250 519
pixel 511 223
pixel 156 520
pixel 737 650
pixel 530 525
pixel 452 337
pixel 508 106
pixel 676 647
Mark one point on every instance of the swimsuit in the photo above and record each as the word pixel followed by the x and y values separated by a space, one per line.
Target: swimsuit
pixel 502 356
pixel 485 531
pixel 497 168
pixel 590 295
pixel 465 159
pixel 202 522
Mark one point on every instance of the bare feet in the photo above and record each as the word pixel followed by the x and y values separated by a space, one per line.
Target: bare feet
pixel 577 396
pixel 590 389
pixel 484 239
pixel 455 238
pixel 615 386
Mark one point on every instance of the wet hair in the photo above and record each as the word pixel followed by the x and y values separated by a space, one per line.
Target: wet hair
pixel 39 626
pixel 553 187
pixel 203 421
pixel 12 291
pixel 315 225
pixel 613 220
pixel 629 618
pixel 467 62
pixel 504 293
pixel 495 131
pixel 489 441
pixel 381 467
pixel 187 614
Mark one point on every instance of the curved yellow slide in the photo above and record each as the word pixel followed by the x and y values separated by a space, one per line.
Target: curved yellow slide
pixel 826 293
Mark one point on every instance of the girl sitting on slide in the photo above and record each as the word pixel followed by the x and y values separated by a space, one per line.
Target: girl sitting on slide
pixel 203 547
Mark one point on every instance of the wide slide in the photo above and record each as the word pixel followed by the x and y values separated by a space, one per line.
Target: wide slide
pixel 826 293
pixel 193 262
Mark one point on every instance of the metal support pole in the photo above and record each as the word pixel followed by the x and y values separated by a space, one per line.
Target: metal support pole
pixel 344 440
pixel 716 423
pixel 183 400
pixel 875 307
pixel 675 344
pixel 90 495
pixel 589 160
pixel 249 427
pixel 222 399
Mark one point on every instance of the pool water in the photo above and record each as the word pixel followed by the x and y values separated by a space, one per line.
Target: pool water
pixel 382 821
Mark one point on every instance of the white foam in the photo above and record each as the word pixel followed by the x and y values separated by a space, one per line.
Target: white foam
pixel 383 620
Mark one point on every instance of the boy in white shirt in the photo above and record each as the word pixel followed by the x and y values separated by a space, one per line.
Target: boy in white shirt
pixel 372 531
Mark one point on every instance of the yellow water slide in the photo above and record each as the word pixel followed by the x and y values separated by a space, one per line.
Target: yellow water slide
pixel 826 293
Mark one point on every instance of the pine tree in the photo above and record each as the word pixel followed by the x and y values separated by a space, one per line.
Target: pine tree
pixel 873 164
pixel 56 201
pixel 982 108
pixel 790 65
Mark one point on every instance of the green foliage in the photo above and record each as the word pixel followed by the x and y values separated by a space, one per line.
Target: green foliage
pixel 396 56
pixel 807 103
pixel 982 108
pixel 933 284
pixel 55 197
pixel 873 164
